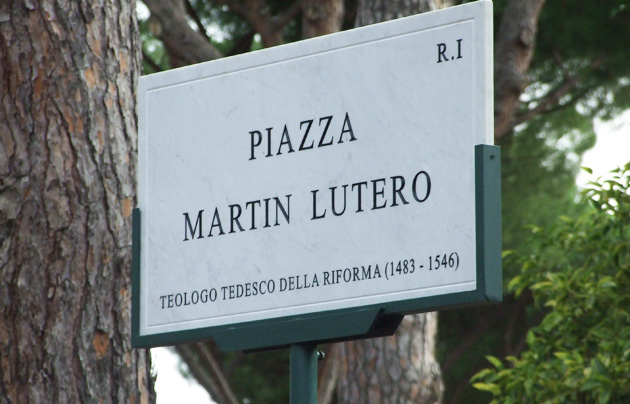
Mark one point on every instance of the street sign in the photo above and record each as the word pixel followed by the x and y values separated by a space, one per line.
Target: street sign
pixel 347 177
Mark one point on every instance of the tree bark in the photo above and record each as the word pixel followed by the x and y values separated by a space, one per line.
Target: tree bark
pixel 184 45
pixel 401 368
pixel 513 52
pixel 68 73
pixel 373 11
pixel 321 17
pixel 397 369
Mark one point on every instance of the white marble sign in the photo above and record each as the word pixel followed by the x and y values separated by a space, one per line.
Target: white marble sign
pixel 331 173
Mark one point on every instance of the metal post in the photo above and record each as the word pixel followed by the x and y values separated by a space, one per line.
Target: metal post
pixel 303 377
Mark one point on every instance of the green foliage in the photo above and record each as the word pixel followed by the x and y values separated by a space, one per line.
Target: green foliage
pixel 578 42
pixel 576 52
pixel 579 275
pixel 594 55
pixel 539 167
pixel 579 59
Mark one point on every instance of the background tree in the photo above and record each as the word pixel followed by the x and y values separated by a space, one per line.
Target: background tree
pixel 68 73
pixel 402 368
pixel 577 74
pixel 579 274
pixel 553 76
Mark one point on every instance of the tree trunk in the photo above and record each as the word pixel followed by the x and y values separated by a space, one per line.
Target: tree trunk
pixel 184 45
pixel 397 369
pixel 514 49
pixel 68 73
pixel 401 368
pixel 373 11
pixel 321 17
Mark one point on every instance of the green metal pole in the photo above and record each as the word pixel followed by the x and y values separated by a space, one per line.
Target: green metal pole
pixel 303 378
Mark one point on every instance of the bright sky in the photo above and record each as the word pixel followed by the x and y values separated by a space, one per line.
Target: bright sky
pixel 171 386
pixel 611 150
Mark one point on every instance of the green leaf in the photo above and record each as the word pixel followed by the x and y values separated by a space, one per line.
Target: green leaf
pixel 491 388
pixel 606 282
pixel 604 396
pixel 495 361
pixel 531 338
pixel 485 373
pixel 514 282
pixel 507 253
pixel 540 285
pixel 552 320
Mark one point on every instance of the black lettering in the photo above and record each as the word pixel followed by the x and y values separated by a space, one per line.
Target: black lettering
pixel 267 212
pixel 397 191
pixel 367 272
pixel 308 128
pixel 253 204
pixel 332 193
pixel 442 53
pixel 255 143
pixel 285 140
pixel 358 185
pixel 376 193
pixel 162 298
pixel 315 216
pixel 216 222
pixel 459 49
pixel 347 128
pixel 188 226
pixel 321 140
pixel 232 291
pixel 413 186
pixel 285 213
pixel 269 142
pixel 234 218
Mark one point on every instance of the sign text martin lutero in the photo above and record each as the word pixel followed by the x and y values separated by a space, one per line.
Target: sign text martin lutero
pixel 266 212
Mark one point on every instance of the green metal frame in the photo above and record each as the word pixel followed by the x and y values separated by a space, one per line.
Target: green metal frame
pixel 359 322
pixel 303 374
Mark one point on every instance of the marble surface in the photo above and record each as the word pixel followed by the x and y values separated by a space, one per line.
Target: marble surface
pixel 408 99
